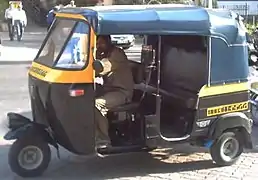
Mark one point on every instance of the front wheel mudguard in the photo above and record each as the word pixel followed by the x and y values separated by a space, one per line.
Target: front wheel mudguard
pixel 20 126
pixel 30 129
pixel 17 133
pixel 33 130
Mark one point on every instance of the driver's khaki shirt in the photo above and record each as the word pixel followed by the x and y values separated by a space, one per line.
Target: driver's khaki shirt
pixel 117 74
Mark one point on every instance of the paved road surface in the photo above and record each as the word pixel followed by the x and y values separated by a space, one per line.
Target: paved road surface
pixel 179 162
pixel 24 51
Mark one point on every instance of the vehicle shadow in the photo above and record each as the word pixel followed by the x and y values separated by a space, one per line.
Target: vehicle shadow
pixel 129 165
pixel 110 167
pixel 4 168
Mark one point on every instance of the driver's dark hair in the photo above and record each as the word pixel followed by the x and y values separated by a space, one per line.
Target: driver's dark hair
pixel 107 38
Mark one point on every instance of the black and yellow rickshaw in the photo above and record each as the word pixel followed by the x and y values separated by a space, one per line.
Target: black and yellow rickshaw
pixel 191 85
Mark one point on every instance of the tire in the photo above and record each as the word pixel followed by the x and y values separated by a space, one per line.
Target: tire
pixel 17 155
pixel 216 150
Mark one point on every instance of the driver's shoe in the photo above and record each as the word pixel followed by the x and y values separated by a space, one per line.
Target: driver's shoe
pixel 103 144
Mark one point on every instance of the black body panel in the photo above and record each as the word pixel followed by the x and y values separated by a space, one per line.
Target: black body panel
pixel 214 101
pixel 219 100
pixel 70 118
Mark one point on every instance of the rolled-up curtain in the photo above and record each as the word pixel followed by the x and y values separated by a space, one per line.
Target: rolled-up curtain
pixel 183 69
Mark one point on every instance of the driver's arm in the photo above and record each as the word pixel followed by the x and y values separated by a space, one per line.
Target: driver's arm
pixel 115 60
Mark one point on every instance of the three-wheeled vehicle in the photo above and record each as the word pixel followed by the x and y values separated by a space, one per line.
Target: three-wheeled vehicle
pixel 191 85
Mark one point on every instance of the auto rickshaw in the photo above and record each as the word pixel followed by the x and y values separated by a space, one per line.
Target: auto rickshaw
pixel 191 85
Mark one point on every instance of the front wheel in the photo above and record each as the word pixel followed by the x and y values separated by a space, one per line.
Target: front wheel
pixel 227 149
pixel 29 157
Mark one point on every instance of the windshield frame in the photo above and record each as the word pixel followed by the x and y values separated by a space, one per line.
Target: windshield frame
pixel 55 61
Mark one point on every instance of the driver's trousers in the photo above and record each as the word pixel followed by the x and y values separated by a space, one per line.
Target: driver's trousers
pixel 103 103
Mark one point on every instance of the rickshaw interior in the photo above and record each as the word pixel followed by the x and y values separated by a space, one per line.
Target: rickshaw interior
pixel 183 72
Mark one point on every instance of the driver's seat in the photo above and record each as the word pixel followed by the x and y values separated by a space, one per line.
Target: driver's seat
pixel 125 107
pixel 130 107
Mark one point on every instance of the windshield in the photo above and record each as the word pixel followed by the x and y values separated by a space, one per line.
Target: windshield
pixel 66 46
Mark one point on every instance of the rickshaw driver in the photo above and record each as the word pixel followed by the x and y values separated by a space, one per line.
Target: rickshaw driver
pixel 117 88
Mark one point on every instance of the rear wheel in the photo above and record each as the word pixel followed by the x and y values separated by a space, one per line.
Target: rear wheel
pixel 29 157
pixel 227 149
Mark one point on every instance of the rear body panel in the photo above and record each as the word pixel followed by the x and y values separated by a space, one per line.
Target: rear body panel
pixel 216 101
pixel 69 116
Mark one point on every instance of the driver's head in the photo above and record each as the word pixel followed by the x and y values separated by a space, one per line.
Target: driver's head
pixel 103 43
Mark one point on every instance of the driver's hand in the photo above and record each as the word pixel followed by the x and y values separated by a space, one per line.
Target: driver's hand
pixel 99 80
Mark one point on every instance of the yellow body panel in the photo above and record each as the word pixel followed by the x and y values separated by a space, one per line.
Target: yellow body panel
pixel 229 108
pixel 223 89
pixel 72 16
pixel 47 74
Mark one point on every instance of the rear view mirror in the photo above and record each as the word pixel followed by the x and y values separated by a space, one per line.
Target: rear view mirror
pixel 147 55
pixel 97 66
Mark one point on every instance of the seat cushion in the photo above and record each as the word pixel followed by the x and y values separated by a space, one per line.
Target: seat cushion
pixel 125 107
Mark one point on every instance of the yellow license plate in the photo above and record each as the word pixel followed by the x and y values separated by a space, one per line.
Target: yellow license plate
pixel 213 111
